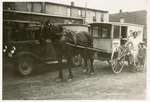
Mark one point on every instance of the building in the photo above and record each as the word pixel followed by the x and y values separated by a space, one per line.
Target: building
pixel 136 17
pixel 40 11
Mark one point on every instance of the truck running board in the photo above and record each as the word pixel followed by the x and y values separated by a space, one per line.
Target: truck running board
pixel 55 62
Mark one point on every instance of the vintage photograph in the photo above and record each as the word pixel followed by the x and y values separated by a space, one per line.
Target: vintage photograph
pixel 74 50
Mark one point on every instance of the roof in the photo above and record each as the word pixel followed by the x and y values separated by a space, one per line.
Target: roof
pixel 20 21
pixel 136 17
pixel 104 11
pixel 129 12
pixel 40 14
pixel 117 23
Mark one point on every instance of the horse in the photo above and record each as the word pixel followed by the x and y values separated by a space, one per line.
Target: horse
pixel 59 38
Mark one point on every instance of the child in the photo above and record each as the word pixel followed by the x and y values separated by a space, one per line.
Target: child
pixel 141 56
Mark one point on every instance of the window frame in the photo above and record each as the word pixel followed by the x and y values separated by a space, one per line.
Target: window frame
pixel 97 35
pixel 114 33
pixel 108 31
pixel 99 31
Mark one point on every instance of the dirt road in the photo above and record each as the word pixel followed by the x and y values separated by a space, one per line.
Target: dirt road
pixel 102 85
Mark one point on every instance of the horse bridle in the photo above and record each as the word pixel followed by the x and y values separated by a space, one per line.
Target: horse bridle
pixel 73 35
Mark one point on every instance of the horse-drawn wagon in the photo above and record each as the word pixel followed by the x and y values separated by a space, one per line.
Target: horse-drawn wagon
pixel 118 43
pixel 114 42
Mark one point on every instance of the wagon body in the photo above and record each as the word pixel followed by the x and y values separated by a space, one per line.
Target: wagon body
pixel 108 36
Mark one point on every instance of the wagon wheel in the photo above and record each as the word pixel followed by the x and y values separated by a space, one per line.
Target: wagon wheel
pixel 117 60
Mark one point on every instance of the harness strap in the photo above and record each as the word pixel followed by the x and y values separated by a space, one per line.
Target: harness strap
pixel 75 38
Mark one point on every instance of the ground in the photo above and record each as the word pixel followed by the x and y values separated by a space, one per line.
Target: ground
pixel 103 85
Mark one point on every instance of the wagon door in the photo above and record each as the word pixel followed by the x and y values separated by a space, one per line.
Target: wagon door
pixel 123 35
pixel 116 30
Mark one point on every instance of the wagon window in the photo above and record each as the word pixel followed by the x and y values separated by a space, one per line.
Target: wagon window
pixel 105 32
pixel 123 31
pixel 116 31
pixel 95 31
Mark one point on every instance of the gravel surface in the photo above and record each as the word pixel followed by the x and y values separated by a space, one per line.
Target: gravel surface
pixel 103 85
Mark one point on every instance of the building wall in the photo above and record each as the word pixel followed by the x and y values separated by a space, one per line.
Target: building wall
pixel 75 12
pixel 56 10
pixel 19 6
pixel 98 16
pixel 106 17
pixel 60 10
pixel 37 7
pixel 89 16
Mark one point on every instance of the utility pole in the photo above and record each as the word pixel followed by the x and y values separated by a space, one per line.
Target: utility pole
pixel 85 12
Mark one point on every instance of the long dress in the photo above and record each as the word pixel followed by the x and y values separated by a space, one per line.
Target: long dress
pixel 134 49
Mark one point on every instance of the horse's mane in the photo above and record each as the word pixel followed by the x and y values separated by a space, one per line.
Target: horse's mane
pixel 80 38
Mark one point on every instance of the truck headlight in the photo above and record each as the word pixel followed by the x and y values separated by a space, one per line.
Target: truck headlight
pixel 13 50
pixel 5 48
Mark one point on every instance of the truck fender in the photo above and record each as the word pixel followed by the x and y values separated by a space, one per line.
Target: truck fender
pixel 27 53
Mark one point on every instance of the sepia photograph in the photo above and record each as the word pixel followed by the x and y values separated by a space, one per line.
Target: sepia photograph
pixel 74 50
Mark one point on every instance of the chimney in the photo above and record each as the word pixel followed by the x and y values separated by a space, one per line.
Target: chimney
pixel 72 3
pixel 120 11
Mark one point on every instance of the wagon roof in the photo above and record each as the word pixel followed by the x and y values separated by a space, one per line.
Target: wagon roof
pixel 117 23
pixel 75 25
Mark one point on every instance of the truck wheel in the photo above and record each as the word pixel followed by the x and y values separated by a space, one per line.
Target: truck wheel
pixel 25 66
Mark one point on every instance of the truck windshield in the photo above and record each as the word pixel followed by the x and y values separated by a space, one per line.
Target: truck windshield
pixel 19 31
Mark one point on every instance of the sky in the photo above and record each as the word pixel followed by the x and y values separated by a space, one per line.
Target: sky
pixel 113 6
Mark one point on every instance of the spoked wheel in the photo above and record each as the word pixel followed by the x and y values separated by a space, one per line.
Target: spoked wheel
pixel 25 66
pixel 117 61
